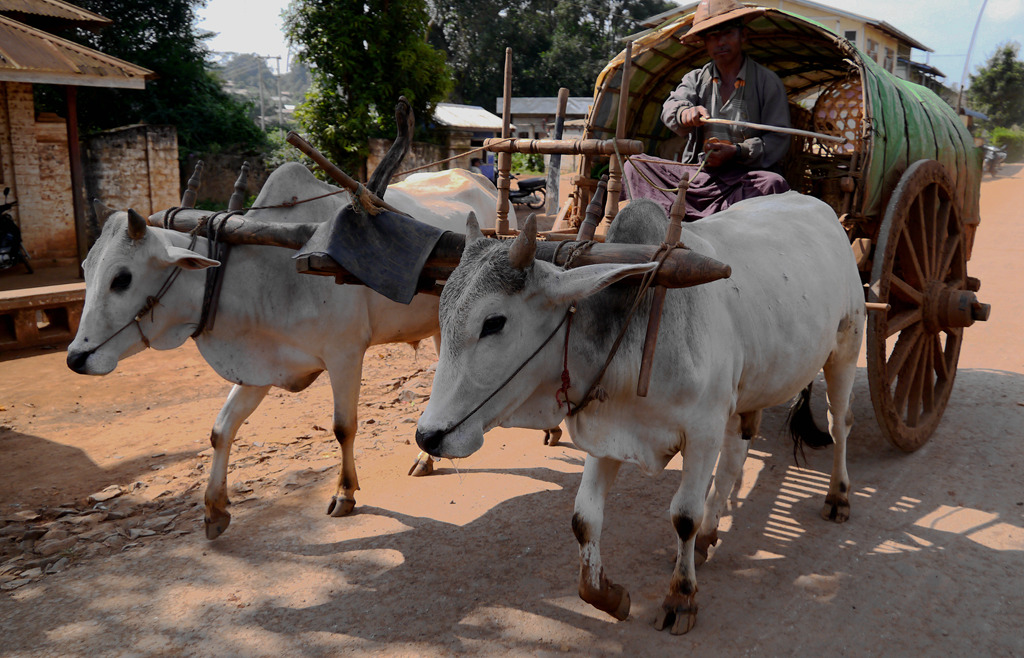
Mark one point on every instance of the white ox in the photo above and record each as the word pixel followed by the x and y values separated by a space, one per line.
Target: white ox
pixel 727 350
pixel 274 326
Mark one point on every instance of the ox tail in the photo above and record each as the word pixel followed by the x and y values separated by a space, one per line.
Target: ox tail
pixel 803 429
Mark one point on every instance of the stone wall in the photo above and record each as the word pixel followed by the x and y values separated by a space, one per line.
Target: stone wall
pixel 133 167
pixel 34 155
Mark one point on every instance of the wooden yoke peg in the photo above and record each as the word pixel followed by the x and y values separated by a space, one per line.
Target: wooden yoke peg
pixel 611 206
pixel 505 158
pixel 588 227
pixel 188 199
pixel 672 235
pixel 237 199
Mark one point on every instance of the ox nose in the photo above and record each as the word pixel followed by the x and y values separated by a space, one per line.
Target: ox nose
pixel 430 442
pixel 76 360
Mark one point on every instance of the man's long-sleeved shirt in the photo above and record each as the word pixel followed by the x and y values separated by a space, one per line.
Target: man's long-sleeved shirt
pixel 758 97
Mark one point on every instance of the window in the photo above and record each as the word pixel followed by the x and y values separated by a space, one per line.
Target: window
pixel 851 36
pixel 873 49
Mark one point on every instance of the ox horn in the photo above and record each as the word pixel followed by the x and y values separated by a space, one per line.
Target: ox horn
pixel 473 232
pixel 136 225
pixel 523 250
pixel 103 213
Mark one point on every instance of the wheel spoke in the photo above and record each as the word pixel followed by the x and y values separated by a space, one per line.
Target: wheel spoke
pixel 906 378
pixel 941 368
pixel 927 379
pixel 905 291
pixel 916 392
pixel 906 256
pixel 901 321
pixel 903 348
pixel 941 233
pixel 949 251
pixel 920 246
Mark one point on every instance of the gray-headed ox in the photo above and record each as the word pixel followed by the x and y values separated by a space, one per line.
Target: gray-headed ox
pixel 726 350
pixel 274 326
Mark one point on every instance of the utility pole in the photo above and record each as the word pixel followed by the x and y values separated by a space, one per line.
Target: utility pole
pixel 280 106
pixel 259 76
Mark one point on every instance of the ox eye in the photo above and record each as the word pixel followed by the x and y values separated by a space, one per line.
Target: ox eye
pixel 493 325
pixel 121 282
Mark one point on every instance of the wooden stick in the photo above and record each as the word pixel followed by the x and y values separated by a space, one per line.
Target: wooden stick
pixel 588 227
pixel 565 146
pixel 505 159
pixel 188 199
pixel 555 161
pixel 239 230
pixel 611 203
pixel 672 234
pixel 334 172
pixel 776 129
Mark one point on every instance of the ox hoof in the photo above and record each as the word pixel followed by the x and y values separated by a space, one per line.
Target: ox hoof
pixel 836 509
pixel 614 600
pixel 678 614
pixel 422 466
pixel 552 436
pixel 702 544
pixel 340 506
pixel 216 523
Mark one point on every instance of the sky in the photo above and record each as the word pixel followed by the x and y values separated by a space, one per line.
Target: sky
pixel 945 26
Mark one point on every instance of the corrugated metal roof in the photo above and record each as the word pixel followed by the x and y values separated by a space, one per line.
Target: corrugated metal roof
pixel 52 9
pixel 576 106
pixel 471 117
pixel 31 55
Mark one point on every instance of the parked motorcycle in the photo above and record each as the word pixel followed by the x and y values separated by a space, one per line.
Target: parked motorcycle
pixel 994 157
pixel 531 192
pixel 12 251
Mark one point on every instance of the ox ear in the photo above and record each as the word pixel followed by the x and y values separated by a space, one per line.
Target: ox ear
pixel 473 228
pixel 186 259
pixel 136 225
pixel 575 284
pixel 520 256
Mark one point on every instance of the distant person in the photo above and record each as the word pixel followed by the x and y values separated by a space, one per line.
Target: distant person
pixel 474 166
pixel 741 162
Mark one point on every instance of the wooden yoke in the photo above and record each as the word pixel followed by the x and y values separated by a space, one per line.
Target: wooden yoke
pixel 505 159
pixel 611 204
pixel 672 235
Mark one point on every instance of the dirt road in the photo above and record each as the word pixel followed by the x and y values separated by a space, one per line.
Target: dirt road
pixel 482 560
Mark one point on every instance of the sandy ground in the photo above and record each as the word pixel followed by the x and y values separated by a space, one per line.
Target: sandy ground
pixel 479 558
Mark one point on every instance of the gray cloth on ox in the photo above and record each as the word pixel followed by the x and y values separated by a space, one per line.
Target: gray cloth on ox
pixel 386 251
pixel 709 191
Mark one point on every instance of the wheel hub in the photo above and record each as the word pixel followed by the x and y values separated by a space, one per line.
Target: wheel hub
pixel 948 308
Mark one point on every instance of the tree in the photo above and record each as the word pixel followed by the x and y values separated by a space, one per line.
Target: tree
pixel 997 89
pixel 556 43
pixel 362 57
pixel 160 37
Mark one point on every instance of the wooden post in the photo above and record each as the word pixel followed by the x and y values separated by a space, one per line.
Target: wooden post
pixel 505 159
pixel 588 227
pixel 672 234
pixel 611 204
pixel 188 198
pixel 555 161
pixel 77 177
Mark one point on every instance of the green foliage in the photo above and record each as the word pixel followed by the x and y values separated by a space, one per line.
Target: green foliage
pixel 1010 138
pixel 362 57
pixel 160 36
pixel 997 89
pixel 528 163
pixel 556 43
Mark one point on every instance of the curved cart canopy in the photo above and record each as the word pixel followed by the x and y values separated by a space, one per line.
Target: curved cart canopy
pixel 833 88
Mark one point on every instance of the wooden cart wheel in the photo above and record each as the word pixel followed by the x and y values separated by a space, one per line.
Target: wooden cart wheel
pixel 920 270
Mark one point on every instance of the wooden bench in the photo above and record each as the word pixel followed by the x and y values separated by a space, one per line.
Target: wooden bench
pixel 40 317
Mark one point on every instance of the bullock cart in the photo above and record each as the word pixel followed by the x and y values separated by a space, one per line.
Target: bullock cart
pixel 905 182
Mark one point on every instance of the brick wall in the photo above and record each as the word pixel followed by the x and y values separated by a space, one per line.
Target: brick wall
pixel 133 167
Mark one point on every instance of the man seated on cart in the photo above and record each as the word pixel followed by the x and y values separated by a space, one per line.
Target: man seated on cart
pixel 741 162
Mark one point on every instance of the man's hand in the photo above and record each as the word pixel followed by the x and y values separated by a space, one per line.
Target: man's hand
pixel 690 117
pixel 719 152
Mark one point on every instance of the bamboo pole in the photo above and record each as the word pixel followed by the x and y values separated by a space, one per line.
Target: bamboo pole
pixel 505 158
pixel 565 146
pixel 611 204
pixel 555 161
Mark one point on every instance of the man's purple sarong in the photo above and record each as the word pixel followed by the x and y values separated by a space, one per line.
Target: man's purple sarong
pixel 708 192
